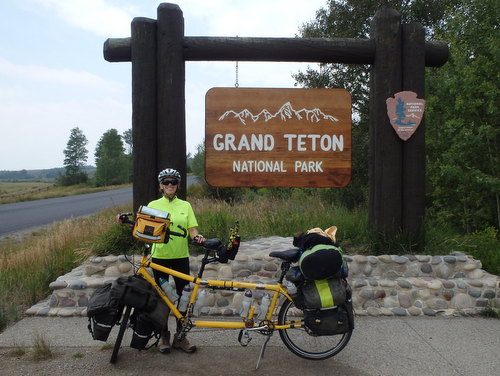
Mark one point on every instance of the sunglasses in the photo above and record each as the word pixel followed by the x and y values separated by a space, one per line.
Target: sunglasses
pixel 171 182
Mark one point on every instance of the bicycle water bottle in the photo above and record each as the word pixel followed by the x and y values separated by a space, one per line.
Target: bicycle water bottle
pixel 245 305
pixel 264 306
pixel 199 302
pixel 169 290
pixel 184 300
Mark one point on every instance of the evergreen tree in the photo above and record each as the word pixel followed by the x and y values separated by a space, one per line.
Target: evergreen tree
pixel 75 157
pixel 111 162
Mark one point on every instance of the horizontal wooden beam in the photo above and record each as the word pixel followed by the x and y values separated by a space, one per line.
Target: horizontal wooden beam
pixel 319 50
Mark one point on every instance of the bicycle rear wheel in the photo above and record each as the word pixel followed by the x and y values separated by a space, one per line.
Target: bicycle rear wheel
pixel 306 345
pixel 121 332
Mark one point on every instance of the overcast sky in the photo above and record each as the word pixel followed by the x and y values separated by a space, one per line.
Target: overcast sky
pixel 53 76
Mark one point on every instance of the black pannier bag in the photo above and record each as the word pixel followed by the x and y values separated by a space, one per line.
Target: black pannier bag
pixel 326 322
pixel 134 291
pixel 147 325
pixel 321 261
pixel 103 312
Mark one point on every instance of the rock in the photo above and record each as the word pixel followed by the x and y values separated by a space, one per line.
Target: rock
pixel 400 259
pixel 225 273
pixel 423 258
pixel 78 285
pixel 400 311
pixel 428 312
pixel 448 284
pixel 475 293
pixel 436 260
pixel 124 267
pixel 476 274
pixel 390 302
pixel 110 259
pixel 444 271
pixel 414 311
pixel 489 294
pixel 59 284
pixel 435 284
pixel 450 259
pixel 112 271
pixel 385 258
pixel 403 283
pixel 404 300
pixel 373 311
pixel 462 301
pixel 366 293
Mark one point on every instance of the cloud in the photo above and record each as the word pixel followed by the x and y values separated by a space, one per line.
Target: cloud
pixel 40 74
pixel 96 16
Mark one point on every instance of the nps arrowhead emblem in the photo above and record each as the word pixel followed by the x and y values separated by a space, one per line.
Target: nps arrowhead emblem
pixel 405 113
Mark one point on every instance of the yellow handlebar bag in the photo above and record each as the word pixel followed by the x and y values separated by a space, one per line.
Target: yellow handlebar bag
pixel 151 225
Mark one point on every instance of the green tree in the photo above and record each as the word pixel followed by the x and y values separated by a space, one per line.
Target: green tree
pixel 75 157
pixel 111 161
pixel 463 135
pixel 351 19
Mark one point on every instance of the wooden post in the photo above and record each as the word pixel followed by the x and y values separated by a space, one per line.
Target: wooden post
pixel 171 112
pixel 385 146
pixel 414 148
pixel 143 54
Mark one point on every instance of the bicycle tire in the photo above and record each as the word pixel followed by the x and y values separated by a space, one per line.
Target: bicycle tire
pixel 305 345
pixel 121 332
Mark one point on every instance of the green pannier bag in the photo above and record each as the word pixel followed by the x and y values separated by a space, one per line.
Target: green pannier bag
pixel 324 293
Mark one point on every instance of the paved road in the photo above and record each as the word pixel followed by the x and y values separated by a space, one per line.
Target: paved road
pixel 22 216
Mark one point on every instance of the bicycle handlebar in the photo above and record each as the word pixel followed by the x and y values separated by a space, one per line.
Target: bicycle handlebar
pixel 123 218
pixel 184 232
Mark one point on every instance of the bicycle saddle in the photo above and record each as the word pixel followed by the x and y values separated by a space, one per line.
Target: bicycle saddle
pixel 291 255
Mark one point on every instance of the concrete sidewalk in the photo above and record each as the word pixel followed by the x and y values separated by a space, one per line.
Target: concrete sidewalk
pixel 386 346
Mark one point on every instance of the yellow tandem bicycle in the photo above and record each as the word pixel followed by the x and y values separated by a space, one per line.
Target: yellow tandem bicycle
pixel 282 314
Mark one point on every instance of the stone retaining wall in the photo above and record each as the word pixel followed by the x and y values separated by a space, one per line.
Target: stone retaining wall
pixel 382 285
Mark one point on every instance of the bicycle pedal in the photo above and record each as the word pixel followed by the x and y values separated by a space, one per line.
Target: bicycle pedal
pixel 244 337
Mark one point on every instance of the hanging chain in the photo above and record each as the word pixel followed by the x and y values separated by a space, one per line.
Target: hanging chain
pixel 236 84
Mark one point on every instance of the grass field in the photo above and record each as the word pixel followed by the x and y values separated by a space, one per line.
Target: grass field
pixel 13 189
pixel 26 191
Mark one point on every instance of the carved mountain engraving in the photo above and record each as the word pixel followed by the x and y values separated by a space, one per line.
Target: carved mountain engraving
pixel 285 113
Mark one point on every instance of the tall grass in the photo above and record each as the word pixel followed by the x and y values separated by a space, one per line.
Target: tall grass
pixel 272 216
pixel 27 268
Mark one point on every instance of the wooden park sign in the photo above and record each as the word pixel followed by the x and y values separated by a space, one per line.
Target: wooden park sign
pixel 278 137
pixel 397 54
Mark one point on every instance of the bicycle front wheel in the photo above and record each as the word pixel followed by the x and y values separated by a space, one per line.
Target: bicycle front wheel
pixel 306 345
pixel 118 342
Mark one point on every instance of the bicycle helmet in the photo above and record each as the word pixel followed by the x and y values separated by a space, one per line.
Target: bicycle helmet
pixel 169 173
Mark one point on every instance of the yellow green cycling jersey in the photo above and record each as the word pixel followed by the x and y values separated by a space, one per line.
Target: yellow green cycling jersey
pixel 181 213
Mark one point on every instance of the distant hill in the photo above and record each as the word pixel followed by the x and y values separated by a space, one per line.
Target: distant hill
pixel 51 173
